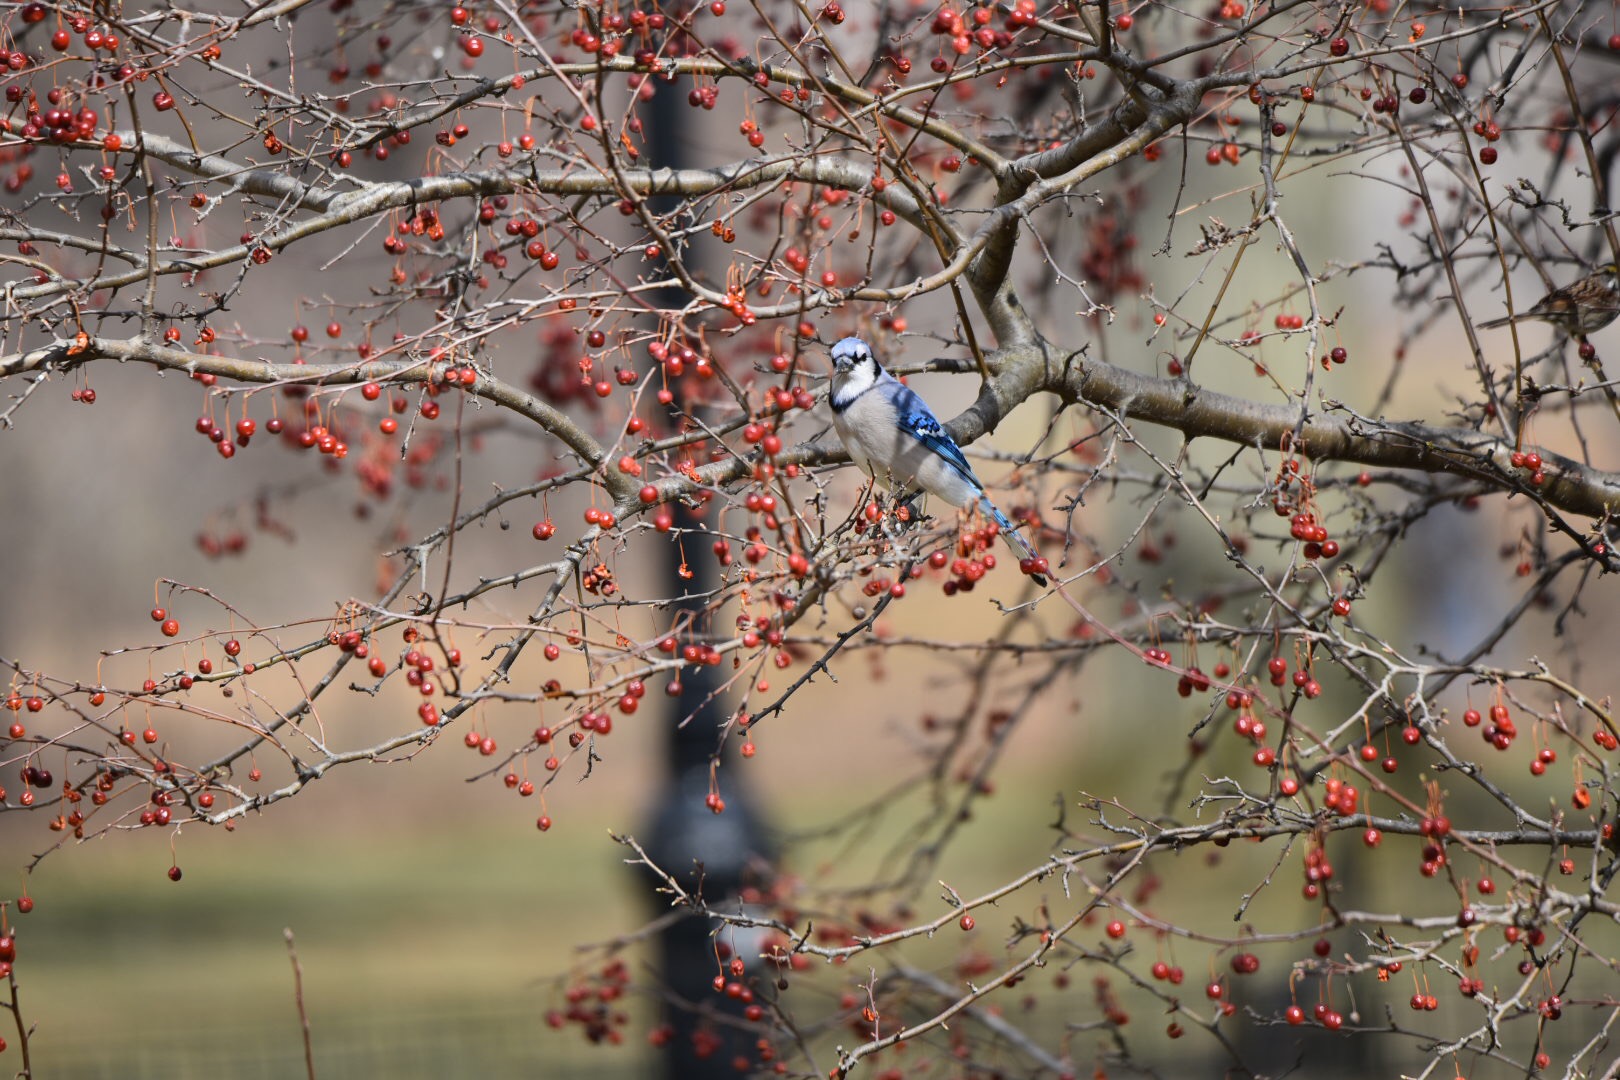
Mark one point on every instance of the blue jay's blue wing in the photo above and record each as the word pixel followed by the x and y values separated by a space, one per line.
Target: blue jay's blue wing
pixel 918 421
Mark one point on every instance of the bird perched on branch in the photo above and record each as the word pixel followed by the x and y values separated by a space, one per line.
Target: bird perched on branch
pixel 892 435
pixel 1579 308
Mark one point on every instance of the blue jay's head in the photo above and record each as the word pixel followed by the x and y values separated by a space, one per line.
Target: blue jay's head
pixel 850 354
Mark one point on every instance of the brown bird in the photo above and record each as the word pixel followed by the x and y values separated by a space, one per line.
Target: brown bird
pixel 1579 308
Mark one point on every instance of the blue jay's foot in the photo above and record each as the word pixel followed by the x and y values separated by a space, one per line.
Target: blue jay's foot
pixel 907 512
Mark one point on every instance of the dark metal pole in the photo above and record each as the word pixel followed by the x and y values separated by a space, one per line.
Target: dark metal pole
pixel 715 853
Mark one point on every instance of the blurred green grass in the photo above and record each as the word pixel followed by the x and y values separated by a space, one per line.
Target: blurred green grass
pixel 429 945
pixel 422 952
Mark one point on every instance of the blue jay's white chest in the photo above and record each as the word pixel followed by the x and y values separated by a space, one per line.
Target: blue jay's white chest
pixel 880 447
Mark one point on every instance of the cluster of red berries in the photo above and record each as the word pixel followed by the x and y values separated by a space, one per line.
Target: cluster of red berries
pixel 1341 797
pixel 221 437
pixel 1293 500
pixel 972 559
pixel 589 1005
pixel 15 702
pixel 1304 526
pixel 1500 732
pixel 34 776
pixel 763 435
pixel 1435 828
pixel 694 652
pixel 169 626
pixel 214 545
pixel 1324 1014
pixel 159 812
pixel 484 744
pixel 729 981
pixel 598 580
pixel 58 125
pixel 522 785
pixel 1164 972
pixel 1192 680
pixel 877 585
pixel 1318 872
pixel 1251 727
pixel 1304 682
pixel 1030 567
pixel 322 438
pixel 972 562
pixel 676 359
pixel 418 671
pixel 1108 1003
pixel 1530 462
pixel 966 31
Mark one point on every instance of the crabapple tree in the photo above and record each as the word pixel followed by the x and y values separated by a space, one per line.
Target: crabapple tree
pixel 1343 554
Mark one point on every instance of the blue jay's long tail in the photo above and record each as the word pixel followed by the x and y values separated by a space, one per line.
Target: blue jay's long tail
pixel 1015 539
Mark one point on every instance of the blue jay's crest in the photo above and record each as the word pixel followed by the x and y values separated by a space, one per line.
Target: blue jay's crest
pixel 894 436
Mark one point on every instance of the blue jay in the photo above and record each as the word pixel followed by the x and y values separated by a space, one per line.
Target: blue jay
pixel 892 435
